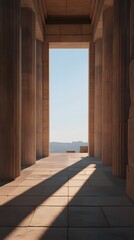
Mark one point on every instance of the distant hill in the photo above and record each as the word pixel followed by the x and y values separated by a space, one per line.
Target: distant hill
pixel 59 147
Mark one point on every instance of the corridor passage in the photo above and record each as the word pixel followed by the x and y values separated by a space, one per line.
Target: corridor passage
pixel 66 197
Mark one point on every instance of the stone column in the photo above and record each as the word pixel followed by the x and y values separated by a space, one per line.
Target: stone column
pixel 107 73
pixel 120 87
pixel 45 100
pixel 91 98
pixel 98 100
pixel 130 168
pixel 28 88
pixel 38 99
pixel 10 85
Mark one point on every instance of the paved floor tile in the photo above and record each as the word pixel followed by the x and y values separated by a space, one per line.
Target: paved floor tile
pixel 37 176
pixel 47 182
pixel 15 216
pixel 89 182
pixel 55 191
pixel 33 233
pixel 76 183
pixel 66 197
pixel 96 191
pixel 86 217
pixel 80 177
pixel 101 234
pixel 99 201
pixel 50 216
pixel 33 191
pixel 100 182
pixel 33 201
pixel 31 183
pixel 120 216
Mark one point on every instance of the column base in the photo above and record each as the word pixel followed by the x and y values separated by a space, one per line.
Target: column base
pixel 130 182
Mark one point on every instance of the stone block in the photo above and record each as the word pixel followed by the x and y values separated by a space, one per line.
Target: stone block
pixel 52 38
pixel 83 149
pixel 131 74
pixel 71 38
pixel 86 29
pixel 71 29
pixel 52 29
pixel 131 142
pixel 130 182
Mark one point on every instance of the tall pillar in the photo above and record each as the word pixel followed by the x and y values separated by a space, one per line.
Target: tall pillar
pixel 10 134
pixel 38 99
pixel 120 87
pixel 28 88
pixel 98 100
pixel 107 73
pixel 130 168
pixel 91 98
pixel 45 100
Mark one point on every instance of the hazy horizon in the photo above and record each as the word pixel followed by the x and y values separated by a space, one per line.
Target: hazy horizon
pixel 62 147
pixel 69 142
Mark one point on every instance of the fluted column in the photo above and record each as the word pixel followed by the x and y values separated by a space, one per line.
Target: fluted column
pixel 38 99
pixel 130 168
pixel 28 88
pixel 91 98
pixel 98 100
pixel 107 78
pixel 120 86
pixel 10 89
pixel 45 100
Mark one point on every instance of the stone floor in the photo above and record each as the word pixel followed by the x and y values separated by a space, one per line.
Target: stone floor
pixel 66 197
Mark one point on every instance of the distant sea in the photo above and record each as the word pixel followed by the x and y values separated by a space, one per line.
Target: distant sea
pixel 59 147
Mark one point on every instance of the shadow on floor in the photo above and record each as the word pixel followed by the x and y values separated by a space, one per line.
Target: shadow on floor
pixel 95 199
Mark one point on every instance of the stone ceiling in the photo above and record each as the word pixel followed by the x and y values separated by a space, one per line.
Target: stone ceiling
pixel 67 12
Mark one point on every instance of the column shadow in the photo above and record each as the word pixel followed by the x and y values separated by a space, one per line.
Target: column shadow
pixel 72 171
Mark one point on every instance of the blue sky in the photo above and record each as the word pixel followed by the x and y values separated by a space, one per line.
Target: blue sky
pixel 68 95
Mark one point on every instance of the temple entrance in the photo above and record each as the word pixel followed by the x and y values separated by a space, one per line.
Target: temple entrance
pixel 68 77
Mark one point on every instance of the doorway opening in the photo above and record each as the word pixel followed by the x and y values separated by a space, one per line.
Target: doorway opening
pixel 68 71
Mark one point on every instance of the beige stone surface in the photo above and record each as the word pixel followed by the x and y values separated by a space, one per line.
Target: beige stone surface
pixel 28 95
pixel 34 233
pixel 81 187
pixel 120 216
pixel 15 215
pixel 98 100
pixel 83 149
pixel 99 233
pixel 38 99
pixel 10 90
pixel 91 99
pixel 68 8
pixel 81 44
pixel 30 4
pixel 52 191
pixel 120 87
pixel 47 216
pixel 130 182
pixel 107 79
pixel 45 100
pixel 81 217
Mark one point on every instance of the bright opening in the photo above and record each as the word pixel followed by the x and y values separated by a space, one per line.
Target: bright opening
pixel 68 99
